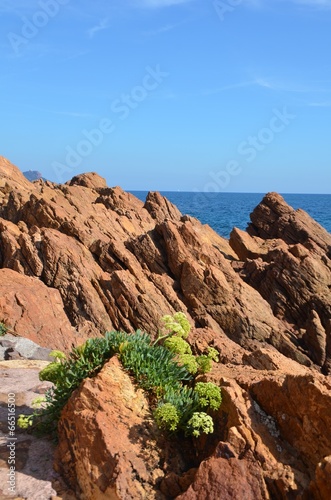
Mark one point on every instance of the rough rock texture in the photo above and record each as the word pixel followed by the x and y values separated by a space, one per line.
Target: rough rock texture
pixel 119 264
pixel 287 258
pixel 99 454
pixel 227 477
pixel 320 488
pixel 81 258
pixel 15 347
pixel 34 310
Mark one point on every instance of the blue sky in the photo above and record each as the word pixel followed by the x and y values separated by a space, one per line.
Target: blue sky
pixel 191 95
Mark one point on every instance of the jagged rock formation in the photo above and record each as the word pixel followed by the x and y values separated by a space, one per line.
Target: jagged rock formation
pixel 81 258
pixel 287 258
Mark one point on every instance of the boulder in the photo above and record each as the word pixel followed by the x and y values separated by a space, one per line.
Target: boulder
pixel 227 478
pixel 107 441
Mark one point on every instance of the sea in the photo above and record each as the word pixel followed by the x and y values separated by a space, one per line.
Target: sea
pixel 224 211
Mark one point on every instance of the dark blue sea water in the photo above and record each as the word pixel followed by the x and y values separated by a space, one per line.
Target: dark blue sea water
pixel 223 211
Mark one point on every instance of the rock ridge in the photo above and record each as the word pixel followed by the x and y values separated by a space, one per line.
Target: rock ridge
pixel 81 258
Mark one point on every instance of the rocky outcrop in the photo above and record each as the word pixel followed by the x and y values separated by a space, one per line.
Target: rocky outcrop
pixel 120 264
pixel 81 258
pixel 99 454
pixel 273 218
pixel 227 477
pixel 286 257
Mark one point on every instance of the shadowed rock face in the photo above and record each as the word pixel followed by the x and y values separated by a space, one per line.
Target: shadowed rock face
pixel 81 258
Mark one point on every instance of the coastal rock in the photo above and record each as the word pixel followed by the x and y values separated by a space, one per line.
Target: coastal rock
pixel 107 440
pixel 301 406
pixel 81 258
pixel 91 180
pixel 227 478
pixel 34 311
pixel 292 272
pixel 118 263
pixel 320 488
pixel 274 218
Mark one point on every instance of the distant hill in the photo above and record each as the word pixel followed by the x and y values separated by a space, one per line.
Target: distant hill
pixel 32 175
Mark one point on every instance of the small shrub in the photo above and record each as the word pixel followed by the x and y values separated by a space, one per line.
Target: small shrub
pixel 164 371
pixel 52 372
pixel 167 417
pixel 204 363
pixel 209 395
pixel 177 324
pixel 200 423
pixel 177 345
pixel 190 363
pixel 213 354
pixel 66 374
pixel 153 366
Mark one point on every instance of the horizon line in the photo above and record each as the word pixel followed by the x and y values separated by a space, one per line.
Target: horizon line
pixel 221 192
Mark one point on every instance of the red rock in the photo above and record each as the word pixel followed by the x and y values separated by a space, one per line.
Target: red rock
pixel 80 258
pixel 34 311
pixel 293 272
pixel 301 406
pixel 160 208
pixel 320 488
pixel 226 478
pixel 273 218
pixel 90 180
pixel 100 455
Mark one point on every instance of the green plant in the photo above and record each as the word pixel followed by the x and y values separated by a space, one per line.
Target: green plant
pixel 177 345
pixel 213 354
pixel 204 363
pixel 66 373
pixel 200 423
pixel 153 366
pixel 177 324
pixel 167 417
pixel 164 371
pixel 3 329
pixel 209 395
pixel 189 361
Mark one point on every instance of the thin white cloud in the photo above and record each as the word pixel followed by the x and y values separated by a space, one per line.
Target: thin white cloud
pixel 272 85
pixel 103 25
pixel 290 86
pixel 163 29
pixel 231 86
